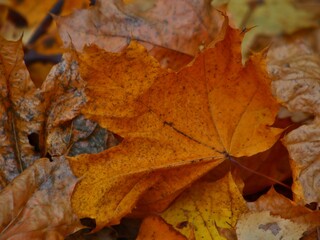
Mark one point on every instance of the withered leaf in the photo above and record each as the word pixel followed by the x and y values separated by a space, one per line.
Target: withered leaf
pixel 19 112
pixel 173 31
pixel 290 218
pixel 295 67
pixel 36 205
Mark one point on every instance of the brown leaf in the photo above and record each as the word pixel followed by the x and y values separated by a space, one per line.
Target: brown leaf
pixel 44 188
pixel 278 205
pixel 295 67
pixel 36 205
pixel 175 28
pixel 262 225
pixel 19 112
pixel 62 97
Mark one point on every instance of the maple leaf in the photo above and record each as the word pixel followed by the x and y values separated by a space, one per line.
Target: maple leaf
pixel 294 65
pixel 172 31
pixel 176 126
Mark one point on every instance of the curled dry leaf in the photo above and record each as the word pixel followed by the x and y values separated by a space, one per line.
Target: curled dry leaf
pixel 176 126
pixel 281 206
pixel 19 112
pixel 172 31
pixel 36 205
pixel 206 208
pixel 62 97
pixel 277 205
pixel 295 67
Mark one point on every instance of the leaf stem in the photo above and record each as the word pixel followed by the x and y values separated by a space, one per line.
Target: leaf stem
pixel 256 172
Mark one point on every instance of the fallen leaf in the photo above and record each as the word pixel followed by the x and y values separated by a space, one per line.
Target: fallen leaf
pixel 205 208
pixel 19 112
pixel 170 30
pixel 261 225
pixel 295 68
pixel 62 97
pixel 281 206
pixel 27 211
pixel 277 205
pixel 176 126
pixel 36 204
pixel 154 227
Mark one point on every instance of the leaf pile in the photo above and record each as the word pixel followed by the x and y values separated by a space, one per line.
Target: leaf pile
pixel 152 114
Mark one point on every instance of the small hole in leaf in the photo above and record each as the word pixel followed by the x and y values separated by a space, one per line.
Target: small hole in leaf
pixel 48 155
pixel 313 206
pixel 34 141
pixel 88 222
pixel 182 225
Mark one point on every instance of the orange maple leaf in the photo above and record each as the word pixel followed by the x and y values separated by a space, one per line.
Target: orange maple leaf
pixel 176 125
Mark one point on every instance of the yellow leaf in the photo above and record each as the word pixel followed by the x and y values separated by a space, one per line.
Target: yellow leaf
pixel 206 207
pixel 176 126
pixel 269 18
